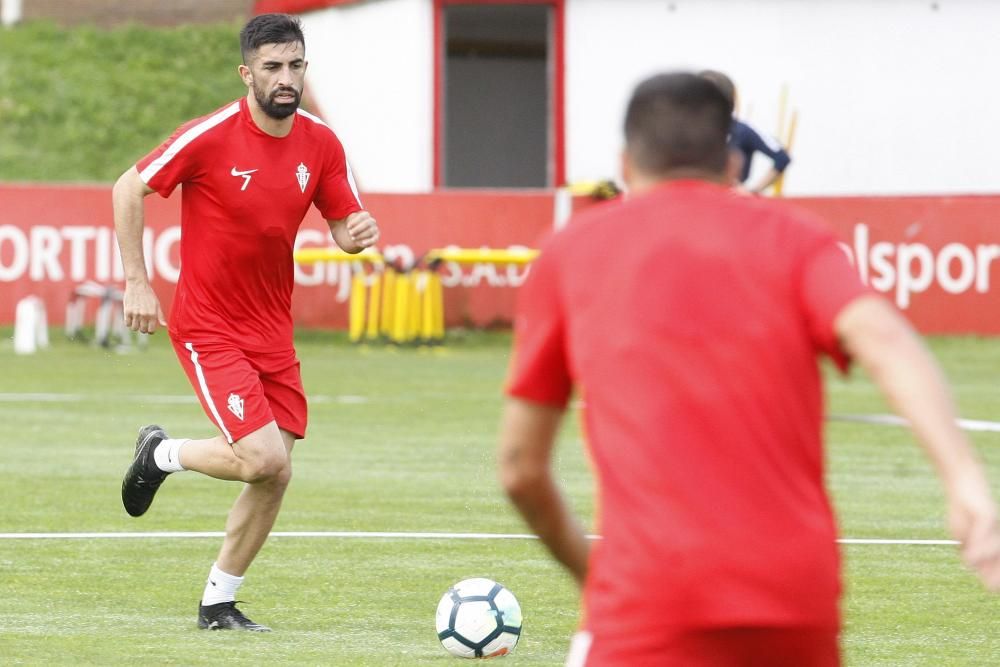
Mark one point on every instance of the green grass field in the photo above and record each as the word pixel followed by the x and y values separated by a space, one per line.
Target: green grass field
pixel 400 440
pixel 113 94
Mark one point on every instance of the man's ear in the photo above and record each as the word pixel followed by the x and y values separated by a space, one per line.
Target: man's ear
pixel 734 166
pixel 626 167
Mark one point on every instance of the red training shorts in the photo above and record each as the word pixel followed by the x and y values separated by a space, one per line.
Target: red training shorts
pixel 241 391
pixel 717 647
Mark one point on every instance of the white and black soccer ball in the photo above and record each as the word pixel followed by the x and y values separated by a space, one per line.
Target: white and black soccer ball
pixel 478 618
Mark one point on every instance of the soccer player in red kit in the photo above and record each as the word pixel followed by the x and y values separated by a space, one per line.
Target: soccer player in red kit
pixel 250 172
pixel 691 319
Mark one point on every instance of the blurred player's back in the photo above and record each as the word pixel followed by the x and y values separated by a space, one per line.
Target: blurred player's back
pixel 703 407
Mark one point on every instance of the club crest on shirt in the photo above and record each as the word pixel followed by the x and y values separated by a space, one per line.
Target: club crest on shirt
pixel 236 406
pixel 302 174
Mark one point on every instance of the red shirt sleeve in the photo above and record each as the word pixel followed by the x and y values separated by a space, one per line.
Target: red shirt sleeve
pixel 828 283
pixel 539 370
pixel 336 196
pixel 172 162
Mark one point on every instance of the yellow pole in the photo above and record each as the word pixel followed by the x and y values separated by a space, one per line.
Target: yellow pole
pixel 401 309
pixel 782 111
pixel 435 293
pixel 374 304
pixel 788 141
pixel 780 131
pixel 416 307
pixel 427 314
pixel 486 255
pixel 356 326
pixel 792 124
pixel 388 301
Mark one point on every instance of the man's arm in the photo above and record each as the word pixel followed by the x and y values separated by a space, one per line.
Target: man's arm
pixel 779 157
pixel 527 436
pixel 769 179
pixel 355 232
pixel 141 307
pixel 887 347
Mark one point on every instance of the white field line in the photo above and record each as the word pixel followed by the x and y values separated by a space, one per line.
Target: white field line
pixel 370 535
pixel 851 540
pixel 148 398
pixel 40 397
pixel 305 533
pixel 894 420
pixel 882 419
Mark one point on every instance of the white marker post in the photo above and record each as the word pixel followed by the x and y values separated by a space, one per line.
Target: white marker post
pixel 11 12
pixel 30 326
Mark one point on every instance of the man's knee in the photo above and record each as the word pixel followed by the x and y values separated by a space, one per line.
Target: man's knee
pixel 273 468
pixel 265 457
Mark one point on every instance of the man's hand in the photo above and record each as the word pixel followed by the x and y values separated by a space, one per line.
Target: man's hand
pixel 884 343
pixel 362 230
pixel 142 308
pixel 972 517
pixel 524 458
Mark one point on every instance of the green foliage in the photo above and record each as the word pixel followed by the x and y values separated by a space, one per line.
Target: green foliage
pixel 399 440
pixel 83 104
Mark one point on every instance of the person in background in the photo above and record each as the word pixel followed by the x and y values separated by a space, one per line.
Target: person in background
pixel 696 358
pixel 745 141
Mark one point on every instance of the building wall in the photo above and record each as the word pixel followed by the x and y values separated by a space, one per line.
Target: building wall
pixel 892 97
pixel 371 75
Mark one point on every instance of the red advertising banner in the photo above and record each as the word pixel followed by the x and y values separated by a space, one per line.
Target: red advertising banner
pixel 55 238
pixel 937 258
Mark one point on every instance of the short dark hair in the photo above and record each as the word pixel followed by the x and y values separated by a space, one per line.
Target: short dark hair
pixel 724 83
pixel 269 29
pixel 677 120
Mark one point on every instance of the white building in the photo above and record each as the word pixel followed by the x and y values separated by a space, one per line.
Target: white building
pixel 890 96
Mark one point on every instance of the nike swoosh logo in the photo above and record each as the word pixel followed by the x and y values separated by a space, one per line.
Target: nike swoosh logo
pixel 212 582
pixel 242 173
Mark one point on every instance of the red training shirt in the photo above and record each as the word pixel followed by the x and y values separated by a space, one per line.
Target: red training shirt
pixel 692 317
pixel 244 196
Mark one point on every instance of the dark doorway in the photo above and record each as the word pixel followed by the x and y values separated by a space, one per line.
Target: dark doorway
pixel 497 96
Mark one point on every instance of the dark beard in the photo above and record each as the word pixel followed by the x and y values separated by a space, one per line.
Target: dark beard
pixel 276 110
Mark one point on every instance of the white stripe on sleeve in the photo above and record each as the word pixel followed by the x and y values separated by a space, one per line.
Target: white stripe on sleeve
pixel 313 118
pixel 347 164
pixel 350 180
pixel 186 138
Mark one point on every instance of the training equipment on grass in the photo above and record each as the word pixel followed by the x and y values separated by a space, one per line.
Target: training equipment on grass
pixel 109 323
pixel 402 301
pixel 478 618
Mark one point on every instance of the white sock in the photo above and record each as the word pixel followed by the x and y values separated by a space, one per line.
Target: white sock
pixel 220 587
pixel 167 454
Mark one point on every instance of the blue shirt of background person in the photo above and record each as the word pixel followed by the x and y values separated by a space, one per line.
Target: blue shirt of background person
pixel 744 141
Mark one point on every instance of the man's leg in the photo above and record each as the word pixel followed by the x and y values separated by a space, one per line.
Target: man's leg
pixel 262 459
pixel 246 395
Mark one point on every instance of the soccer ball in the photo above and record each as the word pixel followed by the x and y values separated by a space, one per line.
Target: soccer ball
pixel 478 618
